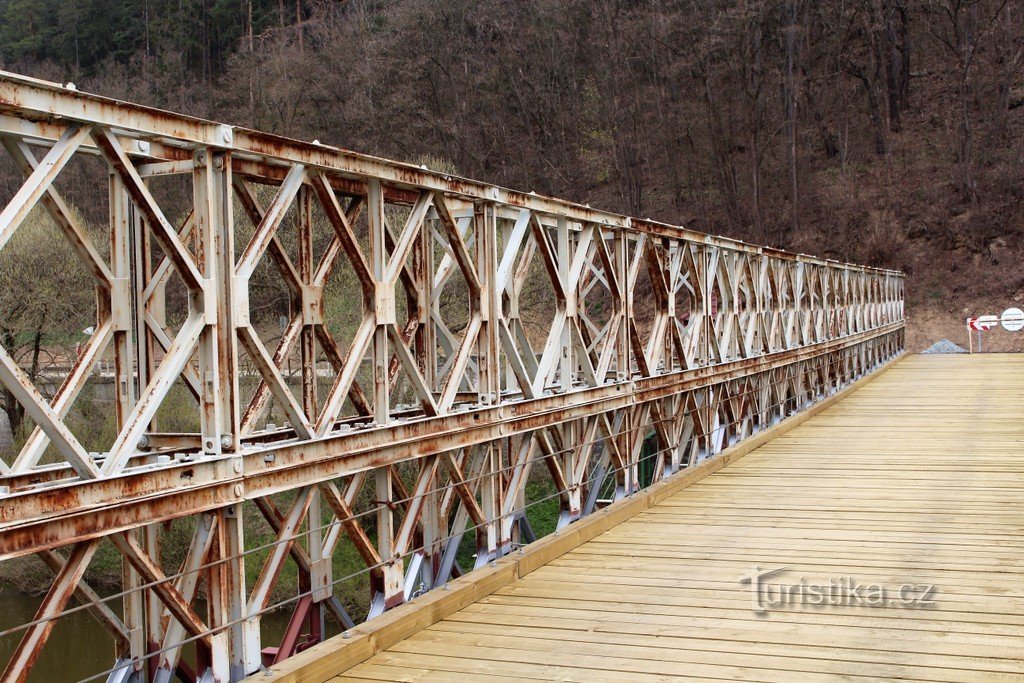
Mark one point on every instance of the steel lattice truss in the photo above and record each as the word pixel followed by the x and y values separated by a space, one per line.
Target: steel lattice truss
pixel 494 338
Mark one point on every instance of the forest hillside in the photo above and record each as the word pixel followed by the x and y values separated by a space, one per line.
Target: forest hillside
pixel 884 132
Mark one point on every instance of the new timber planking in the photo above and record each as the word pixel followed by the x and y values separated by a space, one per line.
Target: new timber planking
pixel 916 478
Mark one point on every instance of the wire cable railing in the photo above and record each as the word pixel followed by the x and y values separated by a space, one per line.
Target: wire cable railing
pixel 648 426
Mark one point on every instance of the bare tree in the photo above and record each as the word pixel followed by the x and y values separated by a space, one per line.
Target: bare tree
pixel 962 27
pixel 47 301
pixel 897 48
pixel 789 97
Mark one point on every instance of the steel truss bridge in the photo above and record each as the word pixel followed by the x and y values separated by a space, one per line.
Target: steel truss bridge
pixel 453 355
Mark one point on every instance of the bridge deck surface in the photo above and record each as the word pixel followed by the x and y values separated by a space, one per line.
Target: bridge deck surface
pixel 916 478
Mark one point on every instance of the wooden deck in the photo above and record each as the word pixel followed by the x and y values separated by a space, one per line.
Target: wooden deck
pixel 916 478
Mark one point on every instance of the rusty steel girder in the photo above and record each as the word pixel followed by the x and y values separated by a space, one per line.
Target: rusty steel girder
pixel 442 343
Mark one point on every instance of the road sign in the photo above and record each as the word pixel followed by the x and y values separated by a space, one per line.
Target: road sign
pixel 982 323
pixel 1013 319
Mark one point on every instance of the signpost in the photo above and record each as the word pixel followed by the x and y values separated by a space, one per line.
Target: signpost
pixel 1012 320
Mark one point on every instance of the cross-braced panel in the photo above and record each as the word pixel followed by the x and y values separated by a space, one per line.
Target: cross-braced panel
pixel 346 380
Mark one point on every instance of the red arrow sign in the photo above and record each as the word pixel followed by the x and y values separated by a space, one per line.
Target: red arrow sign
pixel 983 323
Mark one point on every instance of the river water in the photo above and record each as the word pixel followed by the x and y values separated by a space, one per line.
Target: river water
pixel 78 646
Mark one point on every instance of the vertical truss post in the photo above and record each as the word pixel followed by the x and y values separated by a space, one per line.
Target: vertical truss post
pixel 235 653
pixel 384 303
pixel 154 308
pixel 218 605
pixel 426 337
pixel 227 300
pixel 518 455
pixel 154 628
pixel 702 283
pixel 485 230
pixel 434 525
pixel 309 301
pixel 573 451
pixel 121 299
pixel 624 302
pixel 213 229
pixel 320 570
pixel 566 365
pixel 133 616
pixel 490 503
pixel 228 597
pixel 125 389
pixel 392 591
pixel 637 421
pixel 149 312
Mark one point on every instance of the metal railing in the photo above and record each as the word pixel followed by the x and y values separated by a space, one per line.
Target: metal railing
pixel 454 342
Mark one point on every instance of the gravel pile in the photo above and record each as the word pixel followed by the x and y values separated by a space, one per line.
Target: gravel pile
pixel 944 346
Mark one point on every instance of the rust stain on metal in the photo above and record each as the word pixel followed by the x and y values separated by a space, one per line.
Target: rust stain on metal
pixel 436 415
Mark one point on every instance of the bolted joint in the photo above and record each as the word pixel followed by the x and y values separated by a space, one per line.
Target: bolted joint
pixel 312 305
pixel 121 304
pixel 484 306
pixel 321 577
pixel 205 300
pixel 240 303
pixel 384 304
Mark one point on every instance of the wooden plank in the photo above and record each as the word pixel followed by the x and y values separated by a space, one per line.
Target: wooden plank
pixel 602 661
pixel 654 656
pixel 915 478
pixel 735 630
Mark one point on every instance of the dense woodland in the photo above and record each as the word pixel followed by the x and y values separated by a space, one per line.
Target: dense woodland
pixel 879 131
